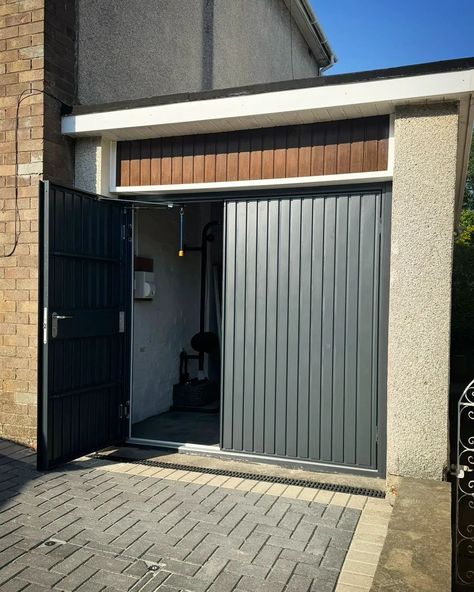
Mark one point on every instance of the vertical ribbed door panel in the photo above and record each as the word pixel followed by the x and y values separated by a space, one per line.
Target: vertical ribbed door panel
pixel 304 327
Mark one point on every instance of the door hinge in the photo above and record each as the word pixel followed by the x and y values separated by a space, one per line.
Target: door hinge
pixel 124 410
pixel 122 321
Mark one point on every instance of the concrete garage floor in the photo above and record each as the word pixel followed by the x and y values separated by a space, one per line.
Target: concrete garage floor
pixel 180 426
pixel 100 526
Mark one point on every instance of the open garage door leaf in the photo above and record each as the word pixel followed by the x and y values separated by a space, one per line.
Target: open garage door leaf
pixel 84 339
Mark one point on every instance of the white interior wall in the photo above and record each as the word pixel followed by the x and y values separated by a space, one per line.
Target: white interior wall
pixel 164 325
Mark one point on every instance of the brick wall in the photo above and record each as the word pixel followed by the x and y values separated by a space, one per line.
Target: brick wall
pixel 34 54
pixel 59 64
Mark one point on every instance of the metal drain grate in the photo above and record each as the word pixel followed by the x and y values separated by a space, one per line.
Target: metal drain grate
pixel 335 488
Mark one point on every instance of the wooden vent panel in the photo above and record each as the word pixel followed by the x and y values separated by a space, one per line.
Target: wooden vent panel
pixel 347 146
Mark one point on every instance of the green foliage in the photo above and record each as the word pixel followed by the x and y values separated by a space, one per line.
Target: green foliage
pixel 463 271
pixel 469 190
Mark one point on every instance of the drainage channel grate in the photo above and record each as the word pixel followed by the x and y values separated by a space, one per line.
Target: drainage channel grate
pixel 335 488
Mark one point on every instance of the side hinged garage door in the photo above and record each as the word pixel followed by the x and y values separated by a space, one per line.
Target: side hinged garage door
pixel 84 343
pixel 305 323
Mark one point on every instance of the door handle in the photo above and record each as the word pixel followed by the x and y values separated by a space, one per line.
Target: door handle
pixel 55 317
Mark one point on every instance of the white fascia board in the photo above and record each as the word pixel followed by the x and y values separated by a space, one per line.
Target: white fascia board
pixel 313 181
pixel 236 110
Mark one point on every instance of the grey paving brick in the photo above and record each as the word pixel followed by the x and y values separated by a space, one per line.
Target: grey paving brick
pixel 36 588
pixel 184 568
pixel 59 551
pixel 14 585
pixel 341 538
pixel 10 571
pixel 349 519
pixel 119 581
pixel 245 528
pixel 204 538
pixel 187 583
pixel 286 543
pixel 137 568
pixel 254 542
pixel 333 558
pixel 331 516
pixel 319 541
pixel 138 548
pixel 325 576
pixel 249 584
pixel 322 586
pixel 281 570
pixel 9 555
pixel 307 569
pixel 231 553
pixel 274 530
pixel 303 531
pixel 155 583
pixel 267 555
pixel 278 510
pixel 112 564
pixel 76 578
pixel 298 583
pixel 248 569
pixel 225 582
pixel 38 559
pixel 192 540
pixel 290 520
pixel 212 568
pixel 162 550
pixel 42 577
pixel 89 586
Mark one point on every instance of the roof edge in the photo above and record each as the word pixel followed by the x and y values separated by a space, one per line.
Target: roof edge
pixel 315 82
pixel 312 32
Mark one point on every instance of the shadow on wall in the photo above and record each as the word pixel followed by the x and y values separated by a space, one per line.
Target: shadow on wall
pixel 207 78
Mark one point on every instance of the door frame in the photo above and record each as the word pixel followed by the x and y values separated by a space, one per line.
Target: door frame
pixel 43 295
pixel 385 189
pixel 43 322
pixel 179 446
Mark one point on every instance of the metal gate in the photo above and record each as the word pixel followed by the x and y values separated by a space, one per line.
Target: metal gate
pixel 84 340
pixel 463 548
pixel 305 327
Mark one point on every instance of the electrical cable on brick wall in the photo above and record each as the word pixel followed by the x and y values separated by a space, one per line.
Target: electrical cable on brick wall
pixel 17 219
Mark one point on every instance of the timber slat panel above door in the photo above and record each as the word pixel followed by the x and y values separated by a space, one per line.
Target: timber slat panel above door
pixel 336 147
pixel 302 324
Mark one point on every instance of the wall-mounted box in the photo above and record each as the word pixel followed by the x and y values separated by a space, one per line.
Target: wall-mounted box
pixel 144 285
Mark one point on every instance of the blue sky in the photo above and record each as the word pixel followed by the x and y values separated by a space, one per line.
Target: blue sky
pixel 370 34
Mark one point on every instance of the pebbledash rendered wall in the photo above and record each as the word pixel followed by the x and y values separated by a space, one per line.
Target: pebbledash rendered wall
pixel 420 282
pixel 420 290
pixel 181 46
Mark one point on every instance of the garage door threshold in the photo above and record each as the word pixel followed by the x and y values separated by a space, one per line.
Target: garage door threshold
pixel 334 482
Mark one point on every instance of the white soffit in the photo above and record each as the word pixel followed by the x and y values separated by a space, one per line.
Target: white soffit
pixel 305 105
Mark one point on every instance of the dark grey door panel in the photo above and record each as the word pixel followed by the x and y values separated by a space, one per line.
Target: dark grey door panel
pixel 84 344
pixel 304 327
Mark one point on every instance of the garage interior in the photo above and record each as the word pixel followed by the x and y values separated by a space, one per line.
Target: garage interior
pixel 176 324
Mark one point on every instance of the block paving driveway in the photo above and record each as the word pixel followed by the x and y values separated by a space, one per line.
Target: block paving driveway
pixel 85 528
